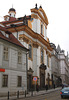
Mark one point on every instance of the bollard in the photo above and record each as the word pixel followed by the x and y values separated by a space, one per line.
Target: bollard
pixel 8 95
pixel 17 94
pixel 25 93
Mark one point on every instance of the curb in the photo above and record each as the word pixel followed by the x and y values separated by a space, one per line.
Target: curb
pixel 48 91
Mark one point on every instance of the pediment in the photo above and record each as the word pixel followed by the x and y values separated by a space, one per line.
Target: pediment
pixel 41 14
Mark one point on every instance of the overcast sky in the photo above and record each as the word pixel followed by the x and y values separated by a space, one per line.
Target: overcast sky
pixel 57 12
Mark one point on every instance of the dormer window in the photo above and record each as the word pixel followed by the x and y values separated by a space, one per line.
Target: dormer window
pixel 7 35
pixel 3 33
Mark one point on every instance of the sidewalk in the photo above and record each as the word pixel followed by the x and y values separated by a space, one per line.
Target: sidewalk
pixel 35 93
pixel 45 92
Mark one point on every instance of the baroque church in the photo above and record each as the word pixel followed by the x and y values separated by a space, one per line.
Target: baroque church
pixel 31 31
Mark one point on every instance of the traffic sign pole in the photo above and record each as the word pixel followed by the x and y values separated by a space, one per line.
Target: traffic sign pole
pixel 35 79
pixel 35 87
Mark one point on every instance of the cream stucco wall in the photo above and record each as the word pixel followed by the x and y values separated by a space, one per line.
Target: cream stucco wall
pixel 12 68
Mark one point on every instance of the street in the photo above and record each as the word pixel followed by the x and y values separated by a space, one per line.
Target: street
pixel 50 96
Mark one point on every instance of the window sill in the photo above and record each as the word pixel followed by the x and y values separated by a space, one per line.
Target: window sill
pixel 19 63
pixel 4 86
pixel 6 59
pixel 19 86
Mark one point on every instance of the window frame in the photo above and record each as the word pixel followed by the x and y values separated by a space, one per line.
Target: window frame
pixel 5 80
pixel 48 60
pixel 19 81
pixel 19 57
pixel 6 53
pixel 42 29
pixel 42 55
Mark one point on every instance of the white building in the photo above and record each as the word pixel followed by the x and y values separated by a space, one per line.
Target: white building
pixel 31 31
pixel 13 67
pixel 55 66
pixel 64 67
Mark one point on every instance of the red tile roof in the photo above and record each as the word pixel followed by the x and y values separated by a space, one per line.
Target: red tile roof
pixel 11 38
pixel 12 19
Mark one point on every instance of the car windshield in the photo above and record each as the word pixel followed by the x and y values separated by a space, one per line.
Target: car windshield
pixel 66 89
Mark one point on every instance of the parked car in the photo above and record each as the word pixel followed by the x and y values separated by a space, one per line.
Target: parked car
pixel 64 85
pixel 64 92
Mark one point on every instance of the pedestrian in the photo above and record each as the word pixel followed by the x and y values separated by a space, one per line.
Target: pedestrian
pixel 46 87
pixel 62 86
pixel 37 87
pixel 54 86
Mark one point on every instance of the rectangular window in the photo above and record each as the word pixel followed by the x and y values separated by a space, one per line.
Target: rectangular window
pixel 19 57
pixel 5 81
pixel 5 53
pixel 19 81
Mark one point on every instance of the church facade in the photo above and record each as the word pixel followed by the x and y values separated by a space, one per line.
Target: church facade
pixel 31 31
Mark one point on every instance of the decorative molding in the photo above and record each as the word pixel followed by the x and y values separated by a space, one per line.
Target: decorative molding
pixel 29 24
pixel 35 45
pixel 34 16
pixel 24 37
pixel 32 34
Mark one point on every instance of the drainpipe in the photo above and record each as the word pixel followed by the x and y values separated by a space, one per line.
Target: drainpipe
pixel 27 69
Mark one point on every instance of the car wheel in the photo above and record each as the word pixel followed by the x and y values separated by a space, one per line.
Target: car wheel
pixel 61 97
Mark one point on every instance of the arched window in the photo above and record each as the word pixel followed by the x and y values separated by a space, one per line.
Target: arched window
pixel 48 60
pixel 30 51
pixel 42 55
pixel 10 14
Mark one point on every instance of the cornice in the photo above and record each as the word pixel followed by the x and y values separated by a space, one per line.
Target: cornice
pixel 32 34
pixel 27 40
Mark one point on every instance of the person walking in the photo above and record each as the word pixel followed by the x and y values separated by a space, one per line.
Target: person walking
pixel 37 87
pixel 54 86
pixel 46 87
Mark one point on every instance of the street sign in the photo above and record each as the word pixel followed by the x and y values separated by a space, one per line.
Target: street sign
pixel 34 78
pixel 2 70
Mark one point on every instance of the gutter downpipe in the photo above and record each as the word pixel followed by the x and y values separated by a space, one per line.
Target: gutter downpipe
pixel 27 69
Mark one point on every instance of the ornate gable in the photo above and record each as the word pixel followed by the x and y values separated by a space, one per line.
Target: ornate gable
pixel 41 14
